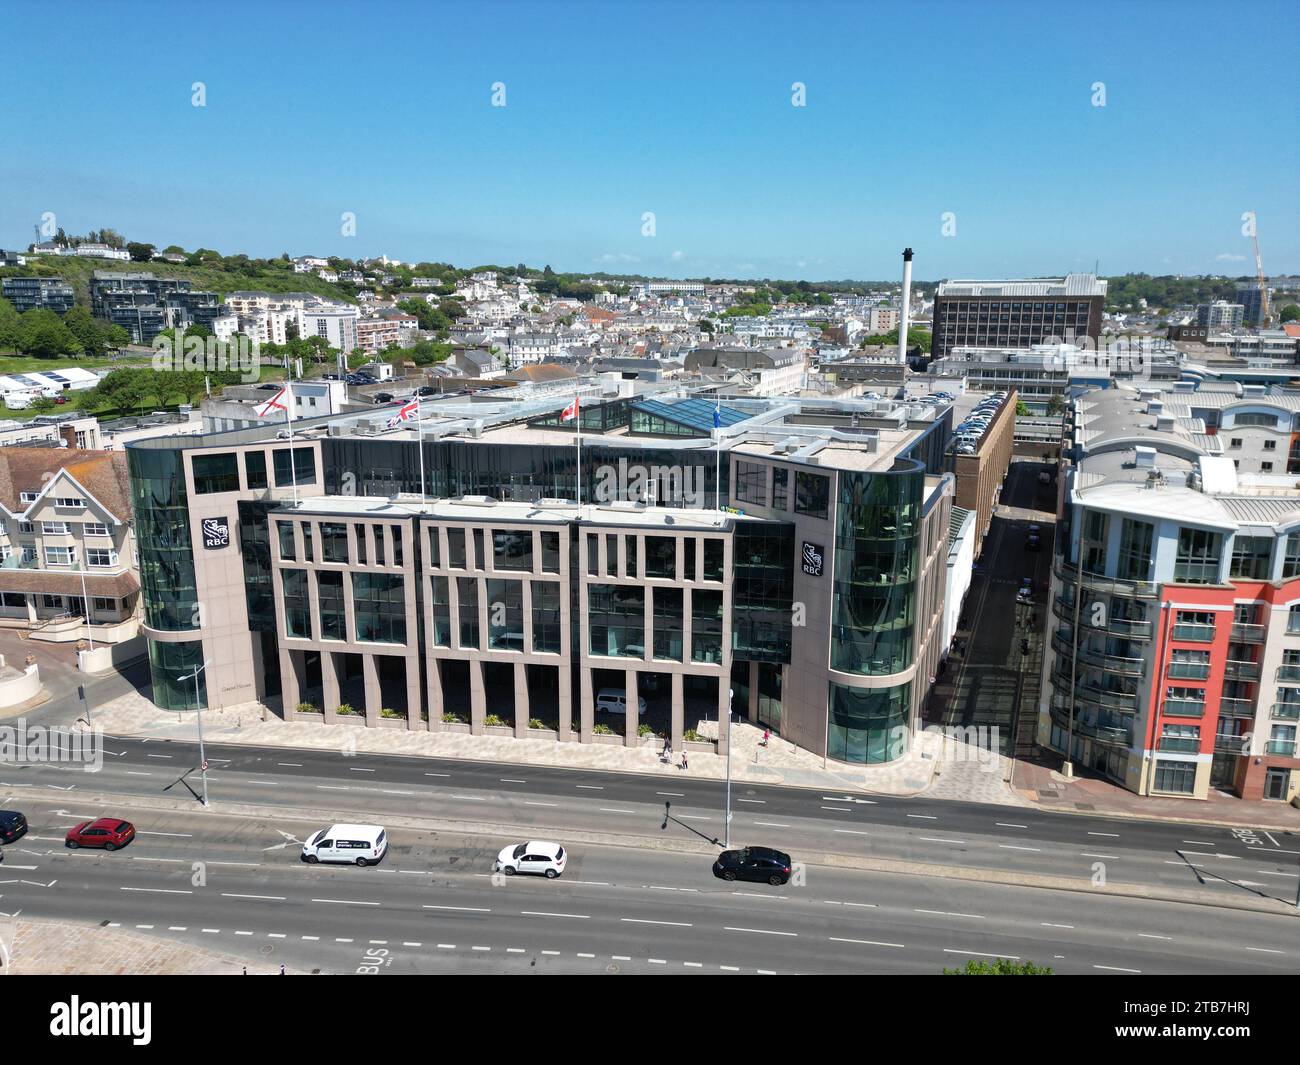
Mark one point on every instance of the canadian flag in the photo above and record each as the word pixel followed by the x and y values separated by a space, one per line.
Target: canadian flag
pixel 405 413
pixel 278 402
pixel 570 412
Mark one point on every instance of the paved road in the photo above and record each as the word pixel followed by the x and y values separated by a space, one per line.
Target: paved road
pixel 993 683
pixel 236 884
pixel 1218 864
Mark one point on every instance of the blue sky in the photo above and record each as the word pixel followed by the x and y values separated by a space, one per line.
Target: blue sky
pixel 680 109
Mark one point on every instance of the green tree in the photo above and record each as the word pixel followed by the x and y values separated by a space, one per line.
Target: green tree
pixel 999 967
pixel 1290 313
pixel 140 253
pixel 1056 405
pixel 10 326
pixel 43 335
pixel 1021 410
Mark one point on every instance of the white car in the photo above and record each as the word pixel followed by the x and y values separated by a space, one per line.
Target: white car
pixel 544 859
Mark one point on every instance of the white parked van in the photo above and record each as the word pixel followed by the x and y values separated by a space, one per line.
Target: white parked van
pixel 614 701
pixel 353 844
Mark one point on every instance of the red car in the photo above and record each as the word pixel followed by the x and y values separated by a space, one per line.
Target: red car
pixel 108 832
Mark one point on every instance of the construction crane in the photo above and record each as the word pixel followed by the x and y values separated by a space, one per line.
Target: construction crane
pixel 1263 284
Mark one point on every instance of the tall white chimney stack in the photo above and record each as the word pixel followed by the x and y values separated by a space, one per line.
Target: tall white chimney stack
pixel 907 299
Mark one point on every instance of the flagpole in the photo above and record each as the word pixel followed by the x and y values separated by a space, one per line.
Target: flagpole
pixel 717 442
pixel 577 417
pixel 419 438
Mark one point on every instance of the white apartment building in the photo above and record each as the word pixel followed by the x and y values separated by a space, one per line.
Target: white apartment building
pixel 337 323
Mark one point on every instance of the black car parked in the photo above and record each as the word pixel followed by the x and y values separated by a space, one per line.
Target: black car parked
pixel 12 825
pixel 760 864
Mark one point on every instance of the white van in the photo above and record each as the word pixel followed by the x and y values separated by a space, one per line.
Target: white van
pixel 614 701
pixel 352 844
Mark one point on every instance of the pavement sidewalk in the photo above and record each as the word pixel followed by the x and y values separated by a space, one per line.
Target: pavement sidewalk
pixel 1044 787
pixel 779 763
pixel 56 948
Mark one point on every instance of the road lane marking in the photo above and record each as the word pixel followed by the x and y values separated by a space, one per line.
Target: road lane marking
pixel 1266 950
pixel 759 931
pixel 645 920
pixel 511 780
pixel 592 787
pixel 771 824
pixel 468 798
pixel 611 810
pixel 461 909
pixel 949 913
pixel 359 769
pixel 924 817
pixel 851 832
pixel 1003 824
pixel 295 765
pixel 264 898
pixel 346 902
pixel 542 913
pixel 1150 935
pixel 1116 969
pixel 935 839
pixel 530 803
pixel 159 891
pixel 1049 924
pixel 866 942
pixel 763 801
pixel 1013 847
pixel 1114 835
pixel 838 809
pixel 677 794
pixel 1088 854
pixel 437 775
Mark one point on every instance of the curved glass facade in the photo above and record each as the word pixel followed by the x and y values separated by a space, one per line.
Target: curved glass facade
pixel 877 523
pixel 170 661
pixel 162 534
pixel 867 724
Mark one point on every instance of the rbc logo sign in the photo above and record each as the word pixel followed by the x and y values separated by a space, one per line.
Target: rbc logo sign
pixel 812 559
pixel 216 533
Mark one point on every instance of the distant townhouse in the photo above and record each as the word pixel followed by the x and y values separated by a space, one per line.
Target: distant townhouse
pixel 309 264
pixel 12 258
pixel 100 251
pixel 68 566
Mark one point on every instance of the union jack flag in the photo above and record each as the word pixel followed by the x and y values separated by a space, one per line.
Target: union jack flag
pixel 405 412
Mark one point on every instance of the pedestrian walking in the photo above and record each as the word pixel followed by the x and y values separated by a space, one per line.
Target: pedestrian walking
pixel 767 735
pixel 668 750
pixel 684 766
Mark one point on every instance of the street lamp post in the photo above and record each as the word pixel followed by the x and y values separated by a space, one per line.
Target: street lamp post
pixel 198 709
pixel 726 832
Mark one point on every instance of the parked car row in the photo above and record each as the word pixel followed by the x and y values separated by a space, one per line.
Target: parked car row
pixel 966 438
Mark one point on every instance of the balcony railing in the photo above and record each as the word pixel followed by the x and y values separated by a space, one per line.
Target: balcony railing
pixel 1241 670
pixel 1184 708
pixel 1287 711
pixel 1248 633
pixel 1288 672
pixel 1068 572
pixel 1185 744
pixel 1237 707
pixel 1189 670
pixel 1231 744
pixel 1286 747
pixel 1194 631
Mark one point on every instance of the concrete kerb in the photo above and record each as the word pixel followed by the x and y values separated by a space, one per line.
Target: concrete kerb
pixel 826 859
